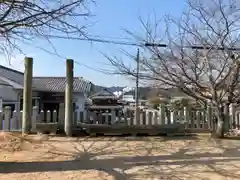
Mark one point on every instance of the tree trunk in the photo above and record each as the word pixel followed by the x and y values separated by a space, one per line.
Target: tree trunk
pixel 219 133
pixel 222 121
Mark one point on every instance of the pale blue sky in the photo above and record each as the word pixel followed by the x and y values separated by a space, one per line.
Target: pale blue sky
pixel 110 20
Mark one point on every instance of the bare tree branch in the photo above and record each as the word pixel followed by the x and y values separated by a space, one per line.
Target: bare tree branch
pixel 209 73
pixel 26 20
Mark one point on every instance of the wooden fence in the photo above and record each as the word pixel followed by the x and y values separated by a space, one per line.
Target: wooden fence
pixel 197 119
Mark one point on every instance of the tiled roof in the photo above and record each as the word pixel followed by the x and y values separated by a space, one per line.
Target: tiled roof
pixel 4 83
pixel 103 94
pixel 51 84
pixel 12 74
pixel 57 84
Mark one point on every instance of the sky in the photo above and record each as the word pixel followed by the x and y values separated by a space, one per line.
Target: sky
pixel 110 21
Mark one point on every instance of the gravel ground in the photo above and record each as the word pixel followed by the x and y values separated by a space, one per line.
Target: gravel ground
pixel 108 158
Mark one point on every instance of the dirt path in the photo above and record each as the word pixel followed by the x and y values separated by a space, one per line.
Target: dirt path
pixel 123 158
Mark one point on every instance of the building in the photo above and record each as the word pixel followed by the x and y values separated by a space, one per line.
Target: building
pixel 47 92
pixel 105 103
pixel 128 98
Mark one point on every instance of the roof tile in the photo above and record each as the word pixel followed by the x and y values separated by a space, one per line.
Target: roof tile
pixel 52 84
pixel 57 84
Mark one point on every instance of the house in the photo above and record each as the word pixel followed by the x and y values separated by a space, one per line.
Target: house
pixel 104 100
pixel 105 104
pixel 47 92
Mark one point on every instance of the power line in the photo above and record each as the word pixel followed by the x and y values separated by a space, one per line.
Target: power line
pixel 143 44
pixel 102 40
pixel 60 57
pixel 99 40
pixel 110 37
pixel 214 47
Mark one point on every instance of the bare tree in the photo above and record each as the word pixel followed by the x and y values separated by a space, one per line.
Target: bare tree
pixel 25 20
pixel 200 58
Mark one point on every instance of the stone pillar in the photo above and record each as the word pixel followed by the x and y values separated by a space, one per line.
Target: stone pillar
pixel 14 122
pixel 34 118
pixel 162 117
pixel 27 96
pixel 137 116
pixel 149 118
pixel 113 117
pixel 7 118
pixel 1 120
pixel 186 115
pixel 209 117
pixel 172 117
pixel 68 98
pixel 198 119
pixel 37 103
pixel 232 116
pixel 61 114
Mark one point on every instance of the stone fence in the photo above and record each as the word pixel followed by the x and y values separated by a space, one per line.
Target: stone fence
pixel 197 119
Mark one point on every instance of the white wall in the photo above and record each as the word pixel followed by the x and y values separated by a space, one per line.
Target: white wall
pixel 80 99
pixel 7 93
pixel 128 98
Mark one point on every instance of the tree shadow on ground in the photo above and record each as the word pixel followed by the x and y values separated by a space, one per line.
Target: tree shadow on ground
pixel 151 157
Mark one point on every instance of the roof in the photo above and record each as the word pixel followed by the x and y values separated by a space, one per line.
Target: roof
pixel 104 94
pixel 48 84
pixel 57 84
pixel 4 83
pixel 11 74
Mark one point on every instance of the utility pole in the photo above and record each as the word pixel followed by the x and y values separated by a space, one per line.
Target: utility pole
pixel 137 115
pixel 137 81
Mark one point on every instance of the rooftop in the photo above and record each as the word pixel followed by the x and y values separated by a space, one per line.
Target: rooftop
pixel 104 94
pixel 57 84
pixel 49 84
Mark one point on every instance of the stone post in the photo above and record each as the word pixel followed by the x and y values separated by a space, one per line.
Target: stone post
pixel 68 98
pixel 85 116
pixel 172 117
pixel 209 117
pixel 55 116
pixel 137 116
pixel 198 119
pixel 61 114
pixel 48 117
pixel 113 116
pixel 186 115
pixel 27 96
pixel 232 116
pixel 156 114
pixel 162 115
pixel 1 120
pixel 149 118
pixel 7 118
pixel 34 118
pixel 14 122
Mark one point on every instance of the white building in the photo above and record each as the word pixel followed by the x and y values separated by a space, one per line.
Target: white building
pixel 48 92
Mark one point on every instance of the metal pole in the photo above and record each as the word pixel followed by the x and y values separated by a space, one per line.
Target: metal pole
pixel 137 110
